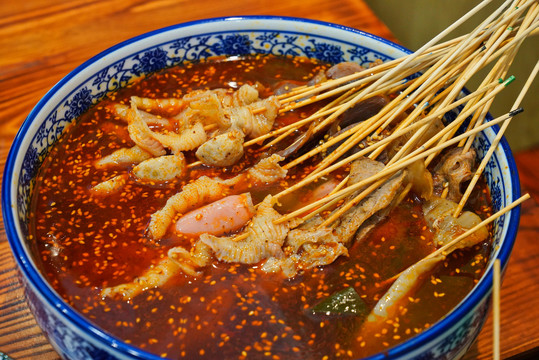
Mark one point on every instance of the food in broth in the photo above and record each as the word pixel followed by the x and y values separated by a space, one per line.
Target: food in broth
pixel 153 219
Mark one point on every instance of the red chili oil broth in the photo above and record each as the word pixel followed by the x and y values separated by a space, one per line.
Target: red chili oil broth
pixel 85 243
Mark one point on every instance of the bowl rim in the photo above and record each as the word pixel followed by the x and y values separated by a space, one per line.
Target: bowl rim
pixel 103 338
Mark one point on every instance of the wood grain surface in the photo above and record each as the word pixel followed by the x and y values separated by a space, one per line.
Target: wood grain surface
pixel 41 41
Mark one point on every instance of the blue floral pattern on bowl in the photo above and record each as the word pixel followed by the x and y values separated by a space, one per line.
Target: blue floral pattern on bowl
pixel 73 336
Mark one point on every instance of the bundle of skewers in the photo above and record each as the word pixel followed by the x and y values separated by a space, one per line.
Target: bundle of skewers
pixel 432 81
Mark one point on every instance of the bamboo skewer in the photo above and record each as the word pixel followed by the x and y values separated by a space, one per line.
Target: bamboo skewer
pixel 496 280
pixel 367 75
pixel 356 129
pixel 329 204
pixel 533 27
pixel 356 200
pixel 495 143
pixel 324 207
pixel 316 94
pixel 493 42
pixel 360 132
pixel 501 67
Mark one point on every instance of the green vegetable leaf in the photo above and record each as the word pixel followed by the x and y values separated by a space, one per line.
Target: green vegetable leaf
pixel 344 302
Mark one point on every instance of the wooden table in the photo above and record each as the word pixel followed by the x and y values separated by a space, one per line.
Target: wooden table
pixel 42 40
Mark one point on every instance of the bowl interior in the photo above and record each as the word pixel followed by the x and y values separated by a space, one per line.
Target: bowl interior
pixel 121 64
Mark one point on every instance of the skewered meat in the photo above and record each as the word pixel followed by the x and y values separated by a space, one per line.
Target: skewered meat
pixel 202 191
pixel 150 119
pixel 124 156
pixel 264 238
pixel 110 186
pixel 254 125
pixel 220 217
pixel 439 216
pixel 453 169
pixel 306 247
pixel 157 275
pixel 163 168
pixel 189 138
pixel 141 134
pixel 189 261
pixel 377 200
pixel 397 295
pixel 343 69
pixel 222 150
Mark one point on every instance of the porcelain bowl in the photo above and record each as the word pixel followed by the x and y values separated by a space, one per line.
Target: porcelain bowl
pixel 74 337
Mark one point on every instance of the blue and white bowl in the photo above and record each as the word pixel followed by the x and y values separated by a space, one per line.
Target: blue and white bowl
pixel 71 334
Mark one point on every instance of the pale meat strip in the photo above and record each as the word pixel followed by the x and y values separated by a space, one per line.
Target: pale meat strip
pixel 123 157
pixel 245 95
pixel 439 217
pixel 141 134
pixel 400 290
pixel 156 276
pixel 254 125
pixel 453 169
pixel 222 150
pixel 312 255
pixel 110 186
pixel 307 247
pixel 190 261
pixel 169 105
pixel 379 199
pixel 205 108
pixel 267 171
pixel 189 138
pixel 163 168
pixel 148 118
